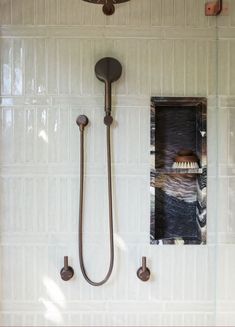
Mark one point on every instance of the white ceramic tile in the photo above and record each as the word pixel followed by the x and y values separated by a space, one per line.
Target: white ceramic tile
pixel 223 69
pixel 16 12
pixel 29 319
pixel 190 67
pixel 132 67
pixel 231 65
pixel 5 12
pixel 179 69
pixel 179 13
pixel 17 319
pixel 231 13
pixel 52 66
pixel 76 67
pixel 40 12
pixel 133 137
pixel 120 136
pixel 156 12
pixel 168 12
pixel 70 12
pixel 134 199
pixel 52 12
pixel 19 123
pixel 231 136
pixel 30 134
pixel 121 16
pixel 87 63
pixel 192 12
pixel 6 66
pixel 17 67
pixel 230 214
pixel 156 64
pixel 29 66
pixel 64 140
pixel 42 135
pixel 212 67
pixel 7 135
pixel 225 278
pixel 54 128
pixel 202 68
pixel 168 62
pixel 28 12
pixel 40 63
pixel 30 212
pixel 223 140
pixel 120 52
pixel 213 140
pixel 144 67
pixel 91 15
pixel 139 12
pixel 41 189
pixel 97 130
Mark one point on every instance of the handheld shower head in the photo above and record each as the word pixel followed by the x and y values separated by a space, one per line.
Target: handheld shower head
pixel 108 70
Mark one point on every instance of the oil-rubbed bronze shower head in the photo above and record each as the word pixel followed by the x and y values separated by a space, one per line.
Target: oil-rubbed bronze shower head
pixel 108 70
pixel 108 5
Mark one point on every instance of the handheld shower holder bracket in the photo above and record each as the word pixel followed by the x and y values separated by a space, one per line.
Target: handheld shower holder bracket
pixel 108 120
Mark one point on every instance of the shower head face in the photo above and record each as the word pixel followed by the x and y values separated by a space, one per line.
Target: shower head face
pixel 108 70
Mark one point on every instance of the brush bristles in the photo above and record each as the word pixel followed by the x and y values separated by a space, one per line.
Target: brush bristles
pixel 185 165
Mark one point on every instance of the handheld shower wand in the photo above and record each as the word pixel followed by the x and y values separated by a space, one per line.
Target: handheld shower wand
pixel 107 70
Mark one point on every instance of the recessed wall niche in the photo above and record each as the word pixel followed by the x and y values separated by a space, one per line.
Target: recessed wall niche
pixel 178 178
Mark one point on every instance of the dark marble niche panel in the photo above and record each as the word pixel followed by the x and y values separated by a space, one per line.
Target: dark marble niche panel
pixel 178 195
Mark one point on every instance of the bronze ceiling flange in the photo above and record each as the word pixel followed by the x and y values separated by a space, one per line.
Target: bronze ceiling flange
pixel 108 5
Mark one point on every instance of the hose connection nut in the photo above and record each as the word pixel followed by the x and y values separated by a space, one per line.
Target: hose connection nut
pixel 82 122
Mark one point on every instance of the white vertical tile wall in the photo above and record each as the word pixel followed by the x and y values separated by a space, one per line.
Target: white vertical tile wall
pixel 48 52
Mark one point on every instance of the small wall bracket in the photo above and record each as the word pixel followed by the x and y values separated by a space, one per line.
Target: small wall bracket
pixel 213 8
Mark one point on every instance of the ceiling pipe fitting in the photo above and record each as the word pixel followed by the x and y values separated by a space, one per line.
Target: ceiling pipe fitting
pixel 108 5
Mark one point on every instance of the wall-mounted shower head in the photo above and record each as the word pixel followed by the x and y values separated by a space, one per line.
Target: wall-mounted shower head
pixel 108 70
pixel 108 5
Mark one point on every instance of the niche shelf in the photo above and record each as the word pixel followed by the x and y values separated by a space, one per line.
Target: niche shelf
pixel 178 195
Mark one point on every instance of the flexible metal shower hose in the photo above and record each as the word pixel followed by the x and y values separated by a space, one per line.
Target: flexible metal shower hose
pixel 80 232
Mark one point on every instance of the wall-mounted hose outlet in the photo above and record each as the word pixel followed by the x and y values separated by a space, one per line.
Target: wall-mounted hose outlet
pixel 82 121
pixel 66 272
pixel 143 273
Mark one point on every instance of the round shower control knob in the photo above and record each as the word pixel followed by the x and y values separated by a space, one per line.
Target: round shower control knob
pixel 66 272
